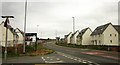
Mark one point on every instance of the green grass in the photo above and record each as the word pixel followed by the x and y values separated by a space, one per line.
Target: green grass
pixel 29 49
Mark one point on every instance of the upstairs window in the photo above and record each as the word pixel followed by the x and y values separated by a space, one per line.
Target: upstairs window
pixel 110 34
pixel 99 41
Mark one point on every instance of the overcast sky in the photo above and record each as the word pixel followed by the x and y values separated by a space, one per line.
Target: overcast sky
pixel 55 16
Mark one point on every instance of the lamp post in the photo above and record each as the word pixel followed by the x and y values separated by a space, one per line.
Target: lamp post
pixel 25 25
pixel 73 24
pixel 6 25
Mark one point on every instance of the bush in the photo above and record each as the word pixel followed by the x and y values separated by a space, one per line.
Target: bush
pixel 29 48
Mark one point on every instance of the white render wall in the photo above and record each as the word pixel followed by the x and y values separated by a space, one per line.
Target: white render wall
pixel 110 30
pixel 10 36
pixel 21 38
pixel 99 37
pixel 68 38
pixel 74 38
pixel 86 39
pixel 0 35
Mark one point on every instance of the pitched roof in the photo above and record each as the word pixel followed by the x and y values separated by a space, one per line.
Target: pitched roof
pixel 1 22
pixel 68 34
pixel 82 31
pixel 100 29
pixel 117 27
pixel 10 28
pixel 20 31
pixel 74 33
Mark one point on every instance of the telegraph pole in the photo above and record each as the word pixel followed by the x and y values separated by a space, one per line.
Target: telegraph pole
pixel 73 24
pixel 25 25
pixel 6 25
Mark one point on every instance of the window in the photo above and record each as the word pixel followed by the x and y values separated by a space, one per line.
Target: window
pixel 110 41
pixel 115 35
pixel 110 34
pixel 99 41
pixel 92 41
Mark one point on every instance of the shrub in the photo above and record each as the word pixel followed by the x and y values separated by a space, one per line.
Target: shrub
pixel 29 48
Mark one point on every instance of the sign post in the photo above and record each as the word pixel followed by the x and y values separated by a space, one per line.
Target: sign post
pixel 6 25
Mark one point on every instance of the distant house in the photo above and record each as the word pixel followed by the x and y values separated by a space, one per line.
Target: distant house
pixel 67 37
pixel 73 38
pixel 20 34
pixel 57 39
pixel 30 38
pixel 84 37
pixel 105 35
pixel 10 37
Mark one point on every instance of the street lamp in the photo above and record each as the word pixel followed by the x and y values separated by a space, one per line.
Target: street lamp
pixel 6 25
pixel 25 25
pixel 73 24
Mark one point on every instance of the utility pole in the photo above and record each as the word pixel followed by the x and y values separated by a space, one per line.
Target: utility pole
pixel 6 25
pixel 25 25
pixel 73 24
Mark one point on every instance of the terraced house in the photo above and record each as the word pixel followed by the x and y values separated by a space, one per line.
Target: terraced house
pixel 106 35
pixel 84 37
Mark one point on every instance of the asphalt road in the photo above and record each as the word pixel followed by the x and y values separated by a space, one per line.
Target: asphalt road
pixel 64 55
pixel 78 53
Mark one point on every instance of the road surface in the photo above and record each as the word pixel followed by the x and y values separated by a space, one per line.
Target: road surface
pixel 69 55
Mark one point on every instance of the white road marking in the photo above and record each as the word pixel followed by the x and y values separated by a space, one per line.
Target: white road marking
pixel 43 58
pixel 50 60
pixel 76 58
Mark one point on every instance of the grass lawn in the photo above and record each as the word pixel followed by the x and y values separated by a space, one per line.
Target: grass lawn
pixel 41 50
pixel 30 51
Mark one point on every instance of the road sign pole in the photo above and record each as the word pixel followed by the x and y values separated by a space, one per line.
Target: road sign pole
pixel 5 57
pixel 6 25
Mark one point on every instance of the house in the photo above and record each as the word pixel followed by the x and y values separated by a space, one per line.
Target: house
pixel 10 38
pixel 73 38
pixel 105 35
pixel 20 34
pixel 84 37
pixel 57 39
pixel 30 38
pixel 67 37
pixel 117 27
